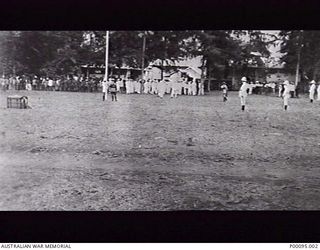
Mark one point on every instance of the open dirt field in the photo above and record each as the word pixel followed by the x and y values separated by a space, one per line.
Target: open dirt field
pixel 72 151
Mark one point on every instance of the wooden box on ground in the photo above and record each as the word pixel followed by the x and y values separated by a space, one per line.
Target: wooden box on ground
pixel 16 101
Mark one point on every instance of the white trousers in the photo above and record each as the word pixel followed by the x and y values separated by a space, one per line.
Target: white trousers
pixel 201 91
pixel 311 95
pixel 285 99
pixel 243 100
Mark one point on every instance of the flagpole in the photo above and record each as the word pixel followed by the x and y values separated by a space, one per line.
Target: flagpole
pixel 107 56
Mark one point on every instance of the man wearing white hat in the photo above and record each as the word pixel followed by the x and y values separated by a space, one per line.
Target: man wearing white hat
pixel 286 93
pixel 243 92
pixel 280 88
pixel 312 90
pixel 105 86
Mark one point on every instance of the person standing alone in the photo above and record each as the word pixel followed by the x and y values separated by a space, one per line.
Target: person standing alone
pixel 312 90
pixel 105 86
pixel 113 90
pixel 224 88
pixel 243 92
pixel 286 93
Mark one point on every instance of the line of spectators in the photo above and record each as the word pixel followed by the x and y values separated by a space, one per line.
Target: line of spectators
pixel 64 83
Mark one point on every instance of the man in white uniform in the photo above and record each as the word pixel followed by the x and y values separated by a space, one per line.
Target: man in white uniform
pixel 161 88
pixel 168 87
pixel 28 85
pixel 189 86
pixel 280 87
pixel 194 87
pixel 129 86
pixel 201 87
pixel 312 90
pixel 119 84
pixel 137 86
pixel 243 92
pixel 105 86
pixel 251 88
pixel 50 84
pixel 175 89
pixel 286 93
pixel 154 85
pixel 318 92
pixel 146 86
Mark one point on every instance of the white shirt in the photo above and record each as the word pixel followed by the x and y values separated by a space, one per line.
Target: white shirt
pixel 105 86
pixel 287 89
pixel 224 88
pixel 312 88
pixel 243 90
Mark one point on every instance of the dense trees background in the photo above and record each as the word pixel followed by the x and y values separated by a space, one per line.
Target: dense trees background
pixel 62 52
pixel 305 43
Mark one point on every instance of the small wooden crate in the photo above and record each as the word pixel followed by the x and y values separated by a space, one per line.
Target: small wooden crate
pixel 18 102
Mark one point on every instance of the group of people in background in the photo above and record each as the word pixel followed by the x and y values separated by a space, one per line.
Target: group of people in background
pixel 314 87
pixel 63 83
pixel 155 87
pixel 286 90
pixel 93 84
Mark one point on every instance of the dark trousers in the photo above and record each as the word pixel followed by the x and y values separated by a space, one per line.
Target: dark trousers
pixel 113 96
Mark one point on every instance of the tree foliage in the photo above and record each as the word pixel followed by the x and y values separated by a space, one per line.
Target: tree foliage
pixel 305 42
pixel 62 52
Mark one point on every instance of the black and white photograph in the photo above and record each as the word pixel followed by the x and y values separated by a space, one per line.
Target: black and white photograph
pixel 159 120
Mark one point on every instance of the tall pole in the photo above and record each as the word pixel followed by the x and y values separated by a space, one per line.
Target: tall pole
pixel 107 57
pixel 143 54
pixel 298 67
pixel 298 59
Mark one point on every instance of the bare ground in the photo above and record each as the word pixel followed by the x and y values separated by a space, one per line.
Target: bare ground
pixel 71 151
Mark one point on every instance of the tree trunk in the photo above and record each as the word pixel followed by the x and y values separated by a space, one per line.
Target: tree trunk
pixel 315 71
pixel 233 77
pixel 298 68
pixel 143 55
pixel 162 69
pixel 208 75
pixel 298 59
pixel 209 81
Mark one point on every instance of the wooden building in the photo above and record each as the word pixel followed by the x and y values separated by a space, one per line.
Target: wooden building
pixel 113 71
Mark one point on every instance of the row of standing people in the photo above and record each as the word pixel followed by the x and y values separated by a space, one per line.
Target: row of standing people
pixel 50 84
pixel 174 87
pixel 158 87
pixel 313 89
pixel 284 91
